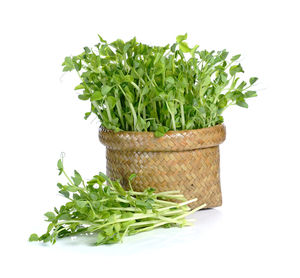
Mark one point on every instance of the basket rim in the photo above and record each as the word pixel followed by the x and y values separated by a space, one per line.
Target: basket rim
pixel 179 140
pixel 102 128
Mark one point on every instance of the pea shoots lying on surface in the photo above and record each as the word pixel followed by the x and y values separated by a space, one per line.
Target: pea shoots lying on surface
pixel 102 206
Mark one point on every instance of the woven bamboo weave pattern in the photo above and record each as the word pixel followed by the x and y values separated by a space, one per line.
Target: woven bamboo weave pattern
pixel 171 141
pixel 192 169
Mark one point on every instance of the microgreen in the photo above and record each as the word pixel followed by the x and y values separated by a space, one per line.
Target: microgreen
pixel 101 206
pixel 137 87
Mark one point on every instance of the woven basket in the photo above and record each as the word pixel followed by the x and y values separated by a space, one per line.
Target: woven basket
pixel 186 160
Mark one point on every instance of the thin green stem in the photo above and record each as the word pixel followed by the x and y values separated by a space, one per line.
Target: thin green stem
pixel 119 110
pixel 131 108
pixel 172 116
pixel 71 182
pixel 182 116
pixel 133 114
pixel 108 111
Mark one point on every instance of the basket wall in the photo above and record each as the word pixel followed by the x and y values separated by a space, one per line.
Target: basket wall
pixel 190 162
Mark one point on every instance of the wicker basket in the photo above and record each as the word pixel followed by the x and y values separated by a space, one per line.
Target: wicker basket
pixel 186 160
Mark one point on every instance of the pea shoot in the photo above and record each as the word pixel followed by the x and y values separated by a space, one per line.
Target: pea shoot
pixel 136 87
pixel 101 206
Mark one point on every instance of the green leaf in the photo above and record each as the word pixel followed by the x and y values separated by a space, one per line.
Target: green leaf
pixel 60 164
pixel 173 47
pixel 224 76
pixel 64 216
pixel 33 237
pixel 97 95
pixel 81 204
pixel 194 50
pixel 236 57
pixel 77 178
pixel 161 131
pixel 59 185
pixel 222 103
pixel 224 54
pixel 111 101
pixel 94 196
pixel 132 177
pixel 71 188
pixel 79 87
pixel 128 78
pixel 170 80
pixel 109 230
pixel 141 124
pixel 84 97
pixel 50 227
pixel 249 94
pixel 45 237
pixel 68 64
pixel 190 124
pixel 65 193
pixel 118 188
pixel 86 115
pixel 105 90
pixel 235 69
pixel 242 85
pixel 127 46
pixel 117 227
pixel 242 103
pixel 104 177
pixel 100 238
pixel 118 44
pixel 252 80
pixel 101 39
pixel 181 38
pixel 50 215
pixel 87 50
pixel 183 46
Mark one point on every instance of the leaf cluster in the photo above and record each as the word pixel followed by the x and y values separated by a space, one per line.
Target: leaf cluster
pixel 136 87
pixel 101 206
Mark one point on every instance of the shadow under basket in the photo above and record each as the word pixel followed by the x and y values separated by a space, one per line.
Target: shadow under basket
pixel 187 160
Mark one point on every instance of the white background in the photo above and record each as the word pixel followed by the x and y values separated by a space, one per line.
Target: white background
pixel 254 234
